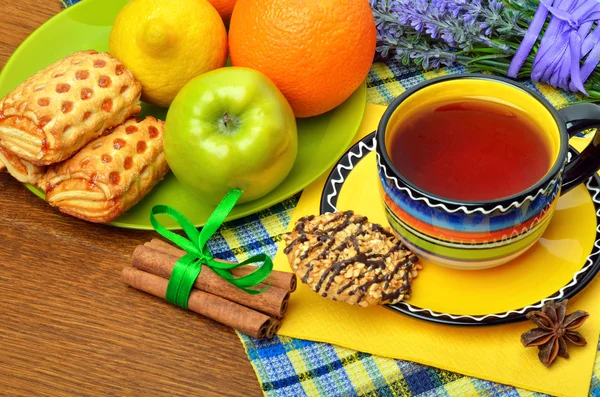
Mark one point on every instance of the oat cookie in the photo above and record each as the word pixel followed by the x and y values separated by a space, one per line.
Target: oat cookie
pixel 342 256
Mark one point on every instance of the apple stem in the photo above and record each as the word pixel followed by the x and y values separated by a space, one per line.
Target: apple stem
pixel 226 120
pixel 228 125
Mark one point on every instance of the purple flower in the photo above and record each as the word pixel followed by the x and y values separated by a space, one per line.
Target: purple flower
pixel 460 23
pixel 430 32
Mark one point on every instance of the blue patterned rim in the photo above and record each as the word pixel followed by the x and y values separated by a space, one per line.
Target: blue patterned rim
pixel 329 199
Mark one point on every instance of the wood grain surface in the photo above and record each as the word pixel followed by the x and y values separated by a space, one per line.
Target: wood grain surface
pixel 68 326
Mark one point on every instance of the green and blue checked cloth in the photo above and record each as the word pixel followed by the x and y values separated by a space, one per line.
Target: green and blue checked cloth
pixel 293 367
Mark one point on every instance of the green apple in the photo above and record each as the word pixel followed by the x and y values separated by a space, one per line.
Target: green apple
pixel 230 128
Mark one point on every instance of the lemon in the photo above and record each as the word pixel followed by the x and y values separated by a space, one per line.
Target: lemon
pixel 167 43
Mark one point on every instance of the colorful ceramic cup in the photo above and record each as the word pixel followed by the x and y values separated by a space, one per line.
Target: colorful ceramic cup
pixel 477 235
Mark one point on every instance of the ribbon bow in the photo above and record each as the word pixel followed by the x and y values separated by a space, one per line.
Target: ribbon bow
pixel 187 269
pixel 566 42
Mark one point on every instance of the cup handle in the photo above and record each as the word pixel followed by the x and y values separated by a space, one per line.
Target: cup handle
pixel 577 118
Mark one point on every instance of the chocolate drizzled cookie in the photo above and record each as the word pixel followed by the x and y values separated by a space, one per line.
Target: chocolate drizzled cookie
pixel 342 256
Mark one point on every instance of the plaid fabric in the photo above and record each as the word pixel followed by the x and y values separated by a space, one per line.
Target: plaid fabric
pixel 68 3
pixel 292 367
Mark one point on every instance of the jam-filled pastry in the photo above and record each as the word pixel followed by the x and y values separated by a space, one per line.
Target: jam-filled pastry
pixel 344 257
pixel 110 174
pixel 60 109
pixel 21 170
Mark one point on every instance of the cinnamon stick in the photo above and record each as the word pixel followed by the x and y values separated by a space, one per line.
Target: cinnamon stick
pixel 273 328
pixel 273 301
pixel 277 278
pixel 221 310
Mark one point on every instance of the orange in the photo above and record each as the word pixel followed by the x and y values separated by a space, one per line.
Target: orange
pixel 317 52
pixel 224 7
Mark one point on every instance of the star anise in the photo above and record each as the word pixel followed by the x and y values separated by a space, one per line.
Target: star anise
pixel 555 329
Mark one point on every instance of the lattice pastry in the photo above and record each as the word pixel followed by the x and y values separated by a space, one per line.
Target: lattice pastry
pixel 60 109
pixel 21 170
pixel 110 174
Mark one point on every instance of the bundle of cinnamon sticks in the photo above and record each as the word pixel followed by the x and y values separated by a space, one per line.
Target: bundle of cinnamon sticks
pixel 212 296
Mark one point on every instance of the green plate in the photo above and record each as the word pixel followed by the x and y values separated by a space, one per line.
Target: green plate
pixel 321 140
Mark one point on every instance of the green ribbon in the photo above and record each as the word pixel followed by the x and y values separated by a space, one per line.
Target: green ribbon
pixel 187 269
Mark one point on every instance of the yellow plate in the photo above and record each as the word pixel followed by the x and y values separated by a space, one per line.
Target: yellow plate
pixel 560 265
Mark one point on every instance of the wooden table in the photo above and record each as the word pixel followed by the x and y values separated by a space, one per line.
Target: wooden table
pixel 68 326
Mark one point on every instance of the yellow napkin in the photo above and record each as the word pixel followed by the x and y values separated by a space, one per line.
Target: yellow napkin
pixel 494 353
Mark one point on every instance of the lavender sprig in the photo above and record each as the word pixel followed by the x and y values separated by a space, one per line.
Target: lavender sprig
pixel 493 17
pixel 461 24
pixel 453 22
pixel 414 49
pixel 399 42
